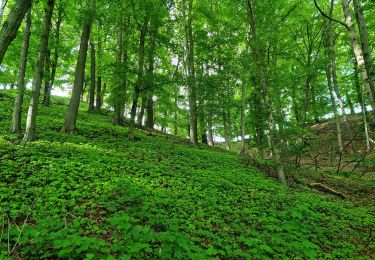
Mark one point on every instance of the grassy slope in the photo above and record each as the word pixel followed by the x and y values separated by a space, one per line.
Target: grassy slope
pixel 95 194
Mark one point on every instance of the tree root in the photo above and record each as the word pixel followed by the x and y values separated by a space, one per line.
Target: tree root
pixel 323 188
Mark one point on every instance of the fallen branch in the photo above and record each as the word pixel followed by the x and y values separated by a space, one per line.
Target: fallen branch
pixel 326 189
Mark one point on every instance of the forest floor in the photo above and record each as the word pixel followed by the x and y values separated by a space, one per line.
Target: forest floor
pixel 95 194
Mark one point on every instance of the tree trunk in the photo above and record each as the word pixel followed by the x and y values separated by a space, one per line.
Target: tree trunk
pixel 17 111
pixel 93 78
pixel 142 112
pixel 365 44
pixel 3 3
pixel 267 102
pixel 30 134
pixel 99 98
pixel 12 24
pixel 350 103
pixel 333 101
pixel 210 135
pixel 243 113
pixel 71 115
pixel 189 48
pixel 336 87
pixel 47 94
pixel 226 131
pixel 150 112
pixel 47 73
pixel 140 79
pixel 359 54
pixel 150 77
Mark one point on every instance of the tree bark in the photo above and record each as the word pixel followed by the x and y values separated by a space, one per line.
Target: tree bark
pixel 335 84
pixel 3 3
pixel 210 135
pixel 99 98
pixel 333 102
pixel 189 48
pixel 71 115
pixel 142 112
pixel 359 54
pixel 226 131
pixel 30 134
pixel 365 44
pixel 47 94
pixel 140 78
pixel 150 112
pixel 17 111
pixel 267 102
pixel 150 77
pixel 12 24
pixel 243 113
pixel 93 78
pixel 47 73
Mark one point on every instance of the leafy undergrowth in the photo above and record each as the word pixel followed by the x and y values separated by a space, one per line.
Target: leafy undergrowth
pixel 96 195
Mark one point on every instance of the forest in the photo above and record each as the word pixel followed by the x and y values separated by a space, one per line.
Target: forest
pixel 187 129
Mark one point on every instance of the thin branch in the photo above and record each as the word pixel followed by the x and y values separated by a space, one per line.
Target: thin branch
pixel 329 18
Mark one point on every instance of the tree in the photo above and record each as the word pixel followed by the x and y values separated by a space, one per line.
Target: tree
pixel 13 22
pixel 71 115
pixel 30 134
pixel 187 9
pixel 17 110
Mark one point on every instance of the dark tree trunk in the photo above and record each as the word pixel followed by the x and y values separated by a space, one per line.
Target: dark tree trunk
pixel 30 134
pixel 150 112
pixel 47 94
pixel 99 93
pixel 140 79
pixel 71 115
pixel 93 78
pixel 142 112
pixel 47 73
pixel 189 46
pixel 12 24
pixel 17 111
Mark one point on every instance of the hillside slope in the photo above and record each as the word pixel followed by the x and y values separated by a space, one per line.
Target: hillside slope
pixel 95 194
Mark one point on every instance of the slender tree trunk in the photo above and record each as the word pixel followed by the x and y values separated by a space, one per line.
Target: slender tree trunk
pixel 350 103
pixel 47 73
pixel 71 115
pixel 226 131
pixel 10 28
pixel 243 113
pixel 336 87
pixel 17 111
pixel 150 112
pixel 142 112
pixel 365 44
pixel 99 97
pixel 150 77
pixel 93 78
pixel 47 94
pixel 359 55
pixel 267 102
pixel 30 134
pixel 210 135
pixel 189 48
pixel 140 79
pixel 333 102
pixel 175 121
pixel 117 92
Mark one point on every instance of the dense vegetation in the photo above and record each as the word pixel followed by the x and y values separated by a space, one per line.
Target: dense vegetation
pixel 94 194
pixel 178 118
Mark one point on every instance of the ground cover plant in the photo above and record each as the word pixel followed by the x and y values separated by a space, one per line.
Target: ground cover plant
pixel 94 194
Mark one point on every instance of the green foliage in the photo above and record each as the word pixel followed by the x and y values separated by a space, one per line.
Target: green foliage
pixel 94 194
